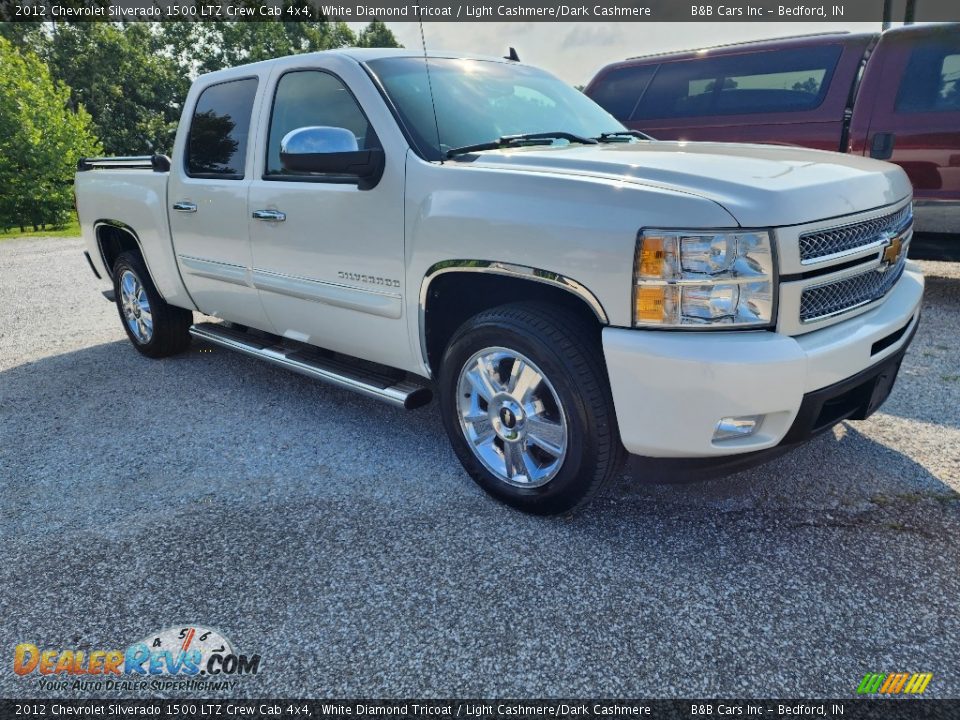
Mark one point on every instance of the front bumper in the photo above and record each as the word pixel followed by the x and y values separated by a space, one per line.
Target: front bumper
pixel 670 388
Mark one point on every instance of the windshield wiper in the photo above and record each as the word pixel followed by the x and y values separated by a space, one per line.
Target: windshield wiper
pixel 520 140
pixel 610 137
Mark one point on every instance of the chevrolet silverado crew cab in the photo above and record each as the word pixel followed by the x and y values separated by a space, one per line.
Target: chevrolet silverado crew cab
pixel 572 292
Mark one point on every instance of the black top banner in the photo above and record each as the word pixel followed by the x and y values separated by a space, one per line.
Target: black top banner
pixel 478 10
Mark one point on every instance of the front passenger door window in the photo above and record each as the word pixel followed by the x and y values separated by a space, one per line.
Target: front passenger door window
pixel 306 98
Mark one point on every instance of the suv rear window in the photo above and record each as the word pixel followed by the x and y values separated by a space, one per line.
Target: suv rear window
pixel 931 82
pixel 618 91
pixel 217 143
pixel 760 82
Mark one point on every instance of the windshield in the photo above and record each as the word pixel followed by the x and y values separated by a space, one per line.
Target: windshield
pixel 480 101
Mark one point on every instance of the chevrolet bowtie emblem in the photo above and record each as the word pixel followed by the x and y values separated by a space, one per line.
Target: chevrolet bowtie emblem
pixel 891 253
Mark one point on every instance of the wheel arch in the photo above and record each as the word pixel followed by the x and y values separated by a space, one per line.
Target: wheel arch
pixel 479 285
pixel 115 237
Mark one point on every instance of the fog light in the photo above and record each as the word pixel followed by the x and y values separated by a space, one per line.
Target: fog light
pixel 730 428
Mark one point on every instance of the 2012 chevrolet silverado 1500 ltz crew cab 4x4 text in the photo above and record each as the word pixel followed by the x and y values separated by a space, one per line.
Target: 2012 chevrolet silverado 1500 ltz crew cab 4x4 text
pixel 400 225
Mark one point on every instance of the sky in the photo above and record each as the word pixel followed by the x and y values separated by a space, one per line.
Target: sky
pixel 575 51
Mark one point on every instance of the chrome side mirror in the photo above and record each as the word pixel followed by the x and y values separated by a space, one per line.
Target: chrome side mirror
pixel 317 139
pixel 332 151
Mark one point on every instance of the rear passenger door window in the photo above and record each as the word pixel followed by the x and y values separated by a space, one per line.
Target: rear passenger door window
pixel 307 98
pixel 916 123
pixel 219 130
pixel 773 81
pixel 931 82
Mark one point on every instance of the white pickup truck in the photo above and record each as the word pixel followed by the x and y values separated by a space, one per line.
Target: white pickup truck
pixel 573 292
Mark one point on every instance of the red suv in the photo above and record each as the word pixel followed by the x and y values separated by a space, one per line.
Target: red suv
pixel 893 96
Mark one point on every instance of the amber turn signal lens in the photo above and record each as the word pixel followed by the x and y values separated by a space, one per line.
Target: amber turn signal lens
pixel 651 257
pixel 649 303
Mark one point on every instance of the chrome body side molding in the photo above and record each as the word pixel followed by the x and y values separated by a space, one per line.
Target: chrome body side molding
pixel 374 302
pixel 224 272
pixel 501 268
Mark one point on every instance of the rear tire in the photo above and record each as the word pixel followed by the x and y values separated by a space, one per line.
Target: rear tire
pixel 526 404
pixel 156 328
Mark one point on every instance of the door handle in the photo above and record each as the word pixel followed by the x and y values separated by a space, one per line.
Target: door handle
pixel 184 206
pixel 882 146
pixel 269 215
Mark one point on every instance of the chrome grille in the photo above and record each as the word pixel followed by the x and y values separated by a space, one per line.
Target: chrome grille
pixel 832 298
pixel 822 243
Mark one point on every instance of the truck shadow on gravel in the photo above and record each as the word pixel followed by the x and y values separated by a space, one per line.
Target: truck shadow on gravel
pixel 843 470
pixel 349 525
pixel 217 423
pixel 928 386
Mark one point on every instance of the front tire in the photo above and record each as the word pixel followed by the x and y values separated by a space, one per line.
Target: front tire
pixel 526 404
pixel 155 328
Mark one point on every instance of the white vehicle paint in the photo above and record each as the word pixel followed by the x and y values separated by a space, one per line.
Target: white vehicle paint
pixel 352 269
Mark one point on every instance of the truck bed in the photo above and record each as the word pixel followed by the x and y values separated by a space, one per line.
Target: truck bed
pixel 128 193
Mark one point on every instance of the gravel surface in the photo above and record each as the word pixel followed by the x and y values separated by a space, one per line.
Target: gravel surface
pixel 339 539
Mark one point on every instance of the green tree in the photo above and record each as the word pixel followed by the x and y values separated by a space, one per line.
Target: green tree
pixel 951 94
pixel 133 77
pixel 23 35
pixel 124 76
pixel 41 139
pixel 728 84
pixel 377 35
pixel 214 145
pixel 810 85
pixel 210 46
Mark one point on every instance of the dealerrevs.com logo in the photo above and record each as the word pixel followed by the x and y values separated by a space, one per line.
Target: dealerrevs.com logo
pixel 190 658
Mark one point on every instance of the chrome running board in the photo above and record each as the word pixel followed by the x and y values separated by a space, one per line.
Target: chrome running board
pixel 394 387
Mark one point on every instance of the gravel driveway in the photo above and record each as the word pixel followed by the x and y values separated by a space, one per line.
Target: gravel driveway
pixel 339 539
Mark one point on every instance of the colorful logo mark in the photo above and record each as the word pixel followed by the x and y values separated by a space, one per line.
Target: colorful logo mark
pixel 184 652
pixel 894 683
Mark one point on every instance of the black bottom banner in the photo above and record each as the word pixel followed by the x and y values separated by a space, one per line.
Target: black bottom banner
pixel 865 709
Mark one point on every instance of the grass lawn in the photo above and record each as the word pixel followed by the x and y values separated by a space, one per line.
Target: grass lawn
pixel 72 229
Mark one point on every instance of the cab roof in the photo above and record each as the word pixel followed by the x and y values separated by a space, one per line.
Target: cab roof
pixel 792 41
pixel 360 55
pixel 767 43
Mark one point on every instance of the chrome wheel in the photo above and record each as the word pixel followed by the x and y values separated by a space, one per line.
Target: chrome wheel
pixel 511 417
pixel 136 307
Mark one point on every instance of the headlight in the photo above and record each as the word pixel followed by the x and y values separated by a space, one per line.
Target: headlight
pixel 703 278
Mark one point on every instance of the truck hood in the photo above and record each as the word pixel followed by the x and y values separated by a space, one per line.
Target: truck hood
pixel 760 185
